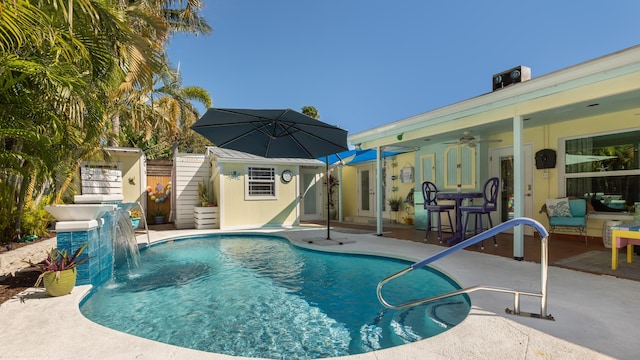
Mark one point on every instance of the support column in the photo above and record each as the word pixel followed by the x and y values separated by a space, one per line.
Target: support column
pixel 379 190
pixel 518 187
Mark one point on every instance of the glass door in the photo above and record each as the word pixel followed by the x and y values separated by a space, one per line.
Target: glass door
pixel 503 169
pixel 310 204
pixel 366 190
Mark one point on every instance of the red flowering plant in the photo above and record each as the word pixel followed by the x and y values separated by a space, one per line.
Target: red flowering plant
pixel 333 183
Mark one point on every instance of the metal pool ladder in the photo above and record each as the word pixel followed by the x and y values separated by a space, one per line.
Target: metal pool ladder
pixel 544 262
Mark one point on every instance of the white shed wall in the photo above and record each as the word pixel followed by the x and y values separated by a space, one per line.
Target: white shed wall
pixel 190 169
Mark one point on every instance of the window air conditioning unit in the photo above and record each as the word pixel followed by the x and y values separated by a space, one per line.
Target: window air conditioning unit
pixel 511 76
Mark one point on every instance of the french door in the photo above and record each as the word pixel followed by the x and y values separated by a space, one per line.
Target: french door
pixel 502 167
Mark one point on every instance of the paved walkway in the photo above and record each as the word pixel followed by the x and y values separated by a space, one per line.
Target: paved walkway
pixel 595 316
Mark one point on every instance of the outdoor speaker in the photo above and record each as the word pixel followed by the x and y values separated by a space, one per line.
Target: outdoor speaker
pixel 546 159
pixel 511 76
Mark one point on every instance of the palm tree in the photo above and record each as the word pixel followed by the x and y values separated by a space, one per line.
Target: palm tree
pixel 50 91
pixel 168 17
pixel 311 111
pixel 168 113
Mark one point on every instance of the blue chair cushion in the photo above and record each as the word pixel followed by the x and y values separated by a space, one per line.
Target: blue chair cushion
pixel 567 221
pixel 578 207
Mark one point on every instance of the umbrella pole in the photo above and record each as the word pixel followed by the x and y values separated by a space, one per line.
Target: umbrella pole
pixel 328 197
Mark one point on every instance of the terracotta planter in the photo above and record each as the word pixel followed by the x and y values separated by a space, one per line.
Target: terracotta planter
pixel 60 283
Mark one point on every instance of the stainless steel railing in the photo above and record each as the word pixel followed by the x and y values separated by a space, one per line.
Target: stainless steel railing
pixel 544 263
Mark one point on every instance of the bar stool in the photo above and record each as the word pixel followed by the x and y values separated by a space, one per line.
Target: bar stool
pixel 490 196
pixel 429 192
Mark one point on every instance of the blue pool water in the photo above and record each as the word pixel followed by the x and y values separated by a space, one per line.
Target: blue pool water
pixel 259 296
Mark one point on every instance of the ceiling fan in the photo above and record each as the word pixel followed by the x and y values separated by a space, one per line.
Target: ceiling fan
pixel 470 140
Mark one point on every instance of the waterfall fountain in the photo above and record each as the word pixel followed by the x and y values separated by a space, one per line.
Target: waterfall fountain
pixel 125 245
pixel 108 233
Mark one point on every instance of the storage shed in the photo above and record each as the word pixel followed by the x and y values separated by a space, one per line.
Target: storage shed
pixel 250 191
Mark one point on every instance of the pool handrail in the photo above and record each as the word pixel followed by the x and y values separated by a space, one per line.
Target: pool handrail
pixel 544 263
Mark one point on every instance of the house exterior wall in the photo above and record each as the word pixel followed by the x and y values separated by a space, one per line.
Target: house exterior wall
pixel 542 137
pixel 349 191
pixel 550 136
pixel 589 99
pixel 239 212
pixel 394 188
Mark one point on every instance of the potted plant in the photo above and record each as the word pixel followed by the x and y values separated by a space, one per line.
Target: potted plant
pixel 158 216
pixel 394 203
pixel 59 270
pixel 203 193
pixel 333 184
pixel 135 215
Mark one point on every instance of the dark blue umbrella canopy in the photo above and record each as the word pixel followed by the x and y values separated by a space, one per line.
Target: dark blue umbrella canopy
pixel 271 133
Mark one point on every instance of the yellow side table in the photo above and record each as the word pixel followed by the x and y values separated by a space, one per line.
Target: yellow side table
pixel 622 235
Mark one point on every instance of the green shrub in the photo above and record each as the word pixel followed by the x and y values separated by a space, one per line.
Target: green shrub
pixel 35 219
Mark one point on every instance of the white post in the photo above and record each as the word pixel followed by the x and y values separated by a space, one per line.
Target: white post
pixel 518 187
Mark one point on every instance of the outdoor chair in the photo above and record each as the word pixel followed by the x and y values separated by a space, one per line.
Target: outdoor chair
pixel 429 192
pixel 490 204
pixel 568 214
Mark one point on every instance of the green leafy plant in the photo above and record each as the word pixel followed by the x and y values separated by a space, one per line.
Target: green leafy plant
pixel 58 260
pixel 35 219
pixel 203 192
pixel 394 203
pixel 157 213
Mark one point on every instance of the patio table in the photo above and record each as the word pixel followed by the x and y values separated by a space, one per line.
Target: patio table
pixel 621 235
pixel 458 197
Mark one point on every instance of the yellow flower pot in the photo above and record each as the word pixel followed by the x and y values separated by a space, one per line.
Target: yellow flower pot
pixel 60 282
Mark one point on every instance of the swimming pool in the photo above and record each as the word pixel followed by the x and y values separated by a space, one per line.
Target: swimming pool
pixel 259 296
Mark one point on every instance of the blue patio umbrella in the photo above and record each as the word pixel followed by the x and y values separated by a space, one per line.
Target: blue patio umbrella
pixel 280 133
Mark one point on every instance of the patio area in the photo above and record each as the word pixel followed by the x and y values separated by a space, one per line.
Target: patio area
pixel 561 246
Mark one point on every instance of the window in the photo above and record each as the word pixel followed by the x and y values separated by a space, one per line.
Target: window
pixel 260 183
pixel 605 169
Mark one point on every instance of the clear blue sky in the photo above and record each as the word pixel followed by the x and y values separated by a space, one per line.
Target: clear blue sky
pixel 363 64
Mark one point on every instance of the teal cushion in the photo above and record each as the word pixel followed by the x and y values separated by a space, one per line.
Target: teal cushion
pixel 567 221
pixel 578 207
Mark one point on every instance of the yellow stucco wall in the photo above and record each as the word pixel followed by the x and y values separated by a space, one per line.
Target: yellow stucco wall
pixel 401 161
pixel 549 136
pixel 132 184
pixel 350 191
pixel 238 212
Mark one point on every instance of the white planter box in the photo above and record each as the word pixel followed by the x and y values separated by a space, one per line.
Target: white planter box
pixel 207 217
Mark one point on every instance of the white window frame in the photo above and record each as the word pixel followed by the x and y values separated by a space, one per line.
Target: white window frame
pixel 563 176
pixel 270 179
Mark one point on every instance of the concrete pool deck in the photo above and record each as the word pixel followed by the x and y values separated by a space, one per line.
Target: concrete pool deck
pixel 596 316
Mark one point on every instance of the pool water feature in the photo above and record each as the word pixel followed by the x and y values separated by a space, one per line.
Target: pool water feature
pixel 125 245
pixel 260 296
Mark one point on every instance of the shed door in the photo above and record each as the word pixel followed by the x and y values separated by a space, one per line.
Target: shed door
pixel 310 204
